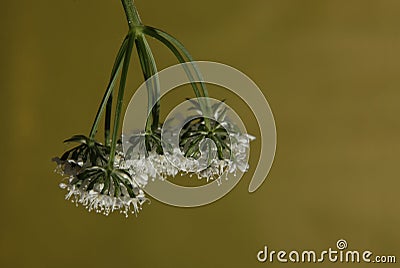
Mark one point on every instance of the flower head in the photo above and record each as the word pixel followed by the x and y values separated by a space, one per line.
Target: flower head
pixel 104 191
pixel 101 188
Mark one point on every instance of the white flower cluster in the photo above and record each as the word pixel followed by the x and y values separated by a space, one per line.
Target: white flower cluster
pixel 160 166
pixel 104 203
pixel 125 194
pixel 95 199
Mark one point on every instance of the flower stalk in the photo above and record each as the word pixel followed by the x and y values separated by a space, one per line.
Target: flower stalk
pixel 104 178
pixel 131 13
pixel 107 95
pixel 118 109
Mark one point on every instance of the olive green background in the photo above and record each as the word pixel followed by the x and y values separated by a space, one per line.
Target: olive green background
pixel 329 69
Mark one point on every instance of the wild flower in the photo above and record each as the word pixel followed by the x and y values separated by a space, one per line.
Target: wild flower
pixel 103 178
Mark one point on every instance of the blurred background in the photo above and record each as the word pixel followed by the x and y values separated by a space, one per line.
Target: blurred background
pixel 329 69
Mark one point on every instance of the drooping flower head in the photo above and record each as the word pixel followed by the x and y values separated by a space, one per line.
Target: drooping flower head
pixel 89 181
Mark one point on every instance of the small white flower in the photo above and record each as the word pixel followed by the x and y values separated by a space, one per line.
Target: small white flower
pixel 104 203
pixel 152 165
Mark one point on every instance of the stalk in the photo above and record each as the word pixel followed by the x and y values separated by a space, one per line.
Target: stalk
pixel 118 109
pixel 131 13
pixel 180 53
pixel 153 94
pixel 109 90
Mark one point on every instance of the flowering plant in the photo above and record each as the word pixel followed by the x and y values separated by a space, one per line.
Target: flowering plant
pixel 101 177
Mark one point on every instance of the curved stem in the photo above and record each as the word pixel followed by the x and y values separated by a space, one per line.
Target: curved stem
pixel 146 74
pixel 106 103
pixel 155 34
pixel 170 42
pixel 107 121
pixel 147 63
pixel 118 109
pixel 109 90
pixel 149 69
pixel 155 81
pixel 185 52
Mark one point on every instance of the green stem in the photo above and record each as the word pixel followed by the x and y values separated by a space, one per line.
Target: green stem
pixel 146 74
pixel 118 109
pixel 131 13
pixel 149 69
pixel 171 43
pixel 185 52
pixel 109 90
pixel 107 121
pixel 106 103
pixel 154 82
pixel 147 63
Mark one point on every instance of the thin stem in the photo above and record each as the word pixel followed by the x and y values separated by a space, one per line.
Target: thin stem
pixel 155 34
pixel 149 69
pixel 155 81
pixel 147 63
pixel 131 13
pixel 107 121
pixel 109 90
pixel 170 42
pixel 146 74
pixel 118 109
pixel 185 52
